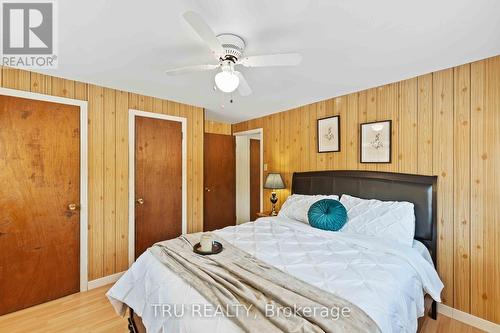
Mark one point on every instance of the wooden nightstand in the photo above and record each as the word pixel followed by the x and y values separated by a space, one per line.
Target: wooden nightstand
pixel 264 214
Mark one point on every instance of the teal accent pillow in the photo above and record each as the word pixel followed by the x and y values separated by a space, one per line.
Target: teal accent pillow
pixel 327 214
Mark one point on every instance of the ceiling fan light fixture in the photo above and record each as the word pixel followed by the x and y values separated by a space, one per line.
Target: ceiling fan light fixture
pixel 227 81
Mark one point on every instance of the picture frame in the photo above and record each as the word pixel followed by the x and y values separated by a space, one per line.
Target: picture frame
pixel 375 142
pixel 328 134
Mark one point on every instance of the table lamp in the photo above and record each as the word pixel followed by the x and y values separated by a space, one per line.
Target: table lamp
pixel 274 182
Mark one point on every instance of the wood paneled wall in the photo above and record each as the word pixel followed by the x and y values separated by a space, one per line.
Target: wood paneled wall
pixel 445 123
pixel 216 127
pixel 108 160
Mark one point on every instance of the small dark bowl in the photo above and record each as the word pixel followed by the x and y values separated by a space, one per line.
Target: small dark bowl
pixel 216 248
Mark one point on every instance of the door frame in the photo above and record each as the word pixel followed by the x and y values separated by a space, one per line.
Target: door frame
pixel 261 132
pixel 83 168
pixel 132 113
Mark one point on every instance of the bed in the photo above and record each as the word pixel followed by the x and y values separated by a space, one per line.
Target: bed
pixel 390 289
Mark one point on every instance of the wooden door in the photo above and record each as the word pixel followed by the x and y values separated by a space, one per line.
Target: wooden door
pixel 220 181
pixel 254 178
pixel 158 181
pixel 39 178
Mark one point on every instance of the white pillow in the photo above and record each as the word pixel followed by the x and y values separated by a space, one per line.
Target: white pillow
pixel 392 220
pixel 423 251
pixel 296 206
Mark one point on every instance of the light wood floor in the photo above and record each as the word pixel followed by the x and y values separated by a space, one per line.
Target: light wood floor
pixel 91 312
pixel 83 312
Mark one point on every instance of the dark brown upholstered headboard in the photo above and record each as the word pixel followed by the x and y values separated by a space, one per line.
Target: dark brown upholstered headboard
pixel 420 190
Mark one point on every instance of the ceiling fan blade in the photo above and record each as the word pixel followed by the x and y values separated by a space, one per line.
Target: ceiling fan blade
pixel 243 88
pixel 190 69
pixel 205 32
pixel 284 59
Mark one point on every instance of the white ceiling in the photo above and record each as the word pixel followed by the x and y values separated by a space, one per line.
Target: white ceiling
pixel 346 46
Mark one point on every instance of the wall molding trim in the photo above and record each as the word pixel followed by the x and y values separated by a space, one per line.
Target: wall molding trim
pixel 104 281
pixel 84 138
pixel 468 319
pixel 248 134
pixel 132 114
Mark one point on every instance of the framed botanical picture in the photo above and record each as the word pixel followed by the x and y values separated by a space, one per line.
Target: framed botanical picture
pixel 329 134
pixel 375 146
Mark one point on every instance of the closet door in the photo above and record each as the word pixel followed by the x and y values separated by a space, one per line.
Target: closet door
pixel 219 177
pixel 158 181
pixel 39 202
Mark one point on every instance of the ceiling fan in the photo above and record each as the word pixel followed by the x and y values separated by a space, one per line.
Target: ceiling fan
pixel 228 50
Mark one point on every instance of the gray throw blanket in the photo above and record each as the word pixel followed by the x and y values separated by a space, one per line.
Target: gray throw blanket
pixel 256 296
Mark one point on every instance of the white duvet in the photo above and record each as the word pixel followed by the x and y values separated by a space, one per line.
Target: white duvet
pixel 386 280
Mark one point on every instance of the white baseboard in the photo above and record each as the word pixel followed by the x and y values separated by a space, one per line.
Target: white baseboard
pixel 468 319
pixel 104 281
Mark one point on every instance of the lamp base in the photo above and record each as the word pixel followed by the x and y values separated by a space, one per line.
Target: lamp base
pixel 274 200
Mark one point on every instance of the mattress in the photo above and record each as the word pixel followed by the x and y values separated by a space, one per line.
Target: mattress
pixel 386 280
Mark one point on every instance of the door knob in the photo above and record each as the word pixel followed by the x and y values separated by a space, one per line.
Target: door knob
pixel 73 207
pixel 140 201
pixel 207 189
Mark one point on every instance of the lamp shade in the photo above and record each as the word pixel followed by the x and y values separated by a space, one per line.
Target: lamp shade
pixel 274 181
